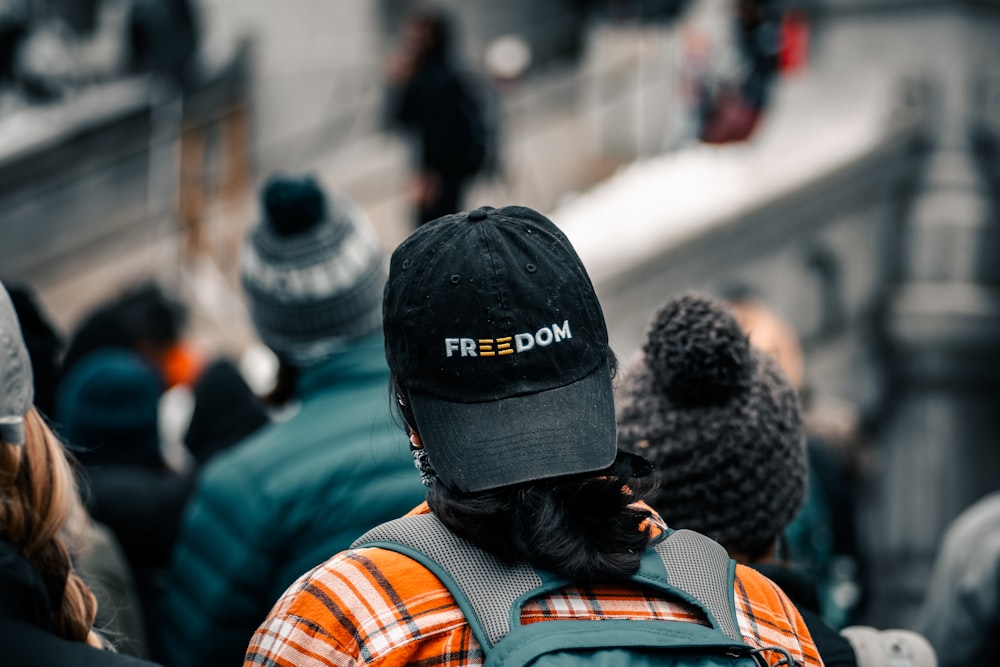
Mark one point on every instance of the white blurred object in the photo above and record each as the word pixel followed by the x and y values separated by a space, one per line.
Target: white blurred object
pixel 176 408
pixel 507 57
pixel 889 648
pixel 259 368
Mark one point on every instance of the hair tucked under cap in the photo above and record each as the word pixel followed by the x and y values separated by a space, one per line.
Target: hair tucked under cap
pixel 313 271
pixel 721 424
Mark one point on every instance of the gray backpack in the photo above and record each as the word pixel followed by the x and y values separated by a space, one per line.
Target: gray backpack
pixel 684 565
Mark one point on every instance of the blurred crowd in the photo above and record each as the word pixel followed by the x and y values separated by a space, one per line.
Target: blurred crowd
pixel 133 532
pixel 48 50
pixel 180 560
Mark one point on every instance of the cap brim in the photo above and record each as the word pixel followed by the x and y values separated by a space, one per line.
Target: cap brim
pixel 480 446
pixel 12 431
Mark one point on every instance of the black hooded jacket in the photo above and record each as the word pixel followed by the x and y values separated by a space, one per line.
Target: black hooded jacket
pixel 26 632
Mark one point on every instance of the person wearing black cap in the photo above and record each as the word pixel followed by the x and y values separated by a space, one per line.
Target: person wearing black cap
pixel 503 376
pixel 301 488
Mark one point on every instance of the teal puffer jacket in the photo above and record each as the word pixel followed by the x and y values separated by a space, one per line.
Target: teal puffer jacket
pixel 284 501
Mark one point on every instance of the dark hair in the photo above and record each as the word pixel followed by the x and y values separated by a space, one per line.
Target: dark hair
pixel 143 315
pixel 579 527
pixel 441 27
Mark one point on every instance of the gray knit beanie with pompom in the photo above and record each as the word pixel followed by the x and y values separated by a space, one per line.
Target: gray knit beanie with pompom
pixel 312 271
pixel 721 425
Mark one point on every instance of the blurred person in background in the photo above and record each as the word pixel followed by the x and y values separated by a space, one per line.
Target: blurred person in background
pixel 758 35
pixel 296 491
pixel 151 321
pixel 144 318
pixel 101 562
pixel 45 345
pixel 961 611
pixel 47 612
pixel 732 71
pixel 445 111
pixel 720 421
pixel 108 410
pixel 226 411
pixel 163 37
pixel 99 558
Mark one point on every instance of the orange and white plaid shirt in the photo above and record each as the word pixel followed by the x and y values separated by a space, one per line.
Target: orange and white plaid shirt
pixel 374 606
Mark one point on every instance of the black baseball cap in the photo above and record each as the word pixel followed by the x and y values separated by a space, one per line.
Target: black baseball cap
pixel 493 328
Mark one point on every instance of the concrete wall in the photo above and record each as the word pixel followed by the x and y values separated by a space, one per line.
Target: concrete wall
pixel 54 201
pixel 316 74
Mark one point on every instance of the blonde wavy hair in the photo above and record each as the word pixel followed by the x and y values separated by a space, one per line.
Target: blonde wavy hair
pixel 38 499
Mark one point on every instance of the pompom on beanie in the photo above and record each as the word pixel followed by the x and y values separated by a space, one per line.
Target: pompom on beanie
pixel 312 271
pixel 721 424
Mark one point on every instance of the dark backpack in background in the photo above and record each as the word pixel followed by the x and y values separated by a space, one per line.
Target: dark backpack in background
pixel 478 124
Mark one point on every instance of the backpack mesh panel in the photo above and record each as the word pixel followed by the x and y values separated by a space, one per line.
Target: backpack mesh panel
pixel 700 567
pixel 490 586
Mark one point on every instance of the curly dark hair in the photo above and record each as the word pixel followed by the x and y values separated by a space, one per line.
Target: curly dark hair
pixel 581 527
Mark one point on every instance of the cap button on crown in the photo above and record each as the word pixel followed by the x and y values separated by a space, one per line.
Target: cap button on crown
pixel 479 214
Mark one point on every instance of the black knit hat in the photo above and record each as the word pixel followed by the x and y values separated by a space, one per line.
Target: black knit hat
pixel 313 271
pixel 225 411
pixel 721 425
pixel 108 409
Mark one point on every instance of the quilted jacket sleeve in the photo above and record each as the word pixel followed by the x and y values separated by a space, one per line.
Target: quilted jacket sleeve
pixel 216 593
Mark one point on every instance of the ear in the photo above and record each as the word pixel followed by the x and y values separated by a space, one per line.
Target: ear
pixel 403 401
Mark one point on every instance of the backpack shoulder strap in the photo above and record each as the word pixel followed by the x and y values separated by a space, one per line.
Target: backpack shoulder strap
pixel 701 570
pixel 490 593
pixel 484 587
